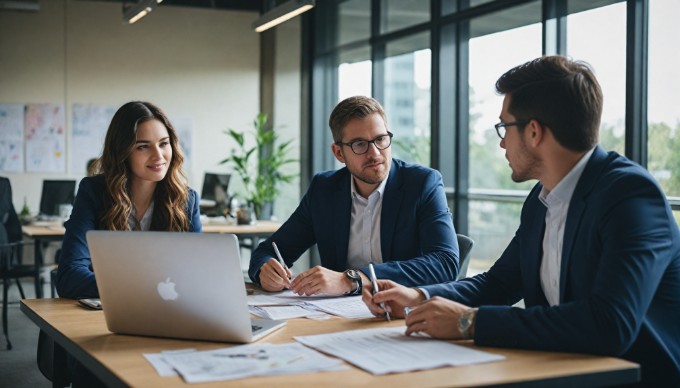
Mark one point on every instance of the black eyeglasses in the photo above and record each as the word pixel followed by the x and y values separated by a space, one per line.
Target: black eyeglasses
pixel 500 127
pixel 360 147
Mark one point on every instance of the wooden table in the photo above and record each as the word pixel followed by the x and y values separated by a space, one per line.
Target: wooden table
pixel 262 229
pixel 118 361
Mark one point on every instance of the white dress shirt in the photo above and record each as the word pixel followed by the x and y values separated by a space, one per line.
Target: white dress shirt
pixel 145 222
pixel 364 227
pixel 557 204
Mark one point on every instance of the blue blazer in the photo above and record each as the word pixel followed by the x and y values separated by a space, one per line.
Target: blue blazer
pixel 619 279
pixel 417 238
pixel 75 278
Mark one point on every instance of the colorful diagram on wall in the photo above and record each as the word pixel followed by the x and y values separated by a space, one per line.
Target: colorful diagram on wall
pixel 45 138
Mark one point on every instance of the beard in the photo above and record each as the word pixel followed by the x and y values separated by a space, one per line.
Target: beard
pixel 525 165
pixel 371 175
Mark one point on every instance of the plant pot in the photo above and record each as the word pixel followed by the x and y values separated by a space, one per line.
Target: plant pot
pixel 264 211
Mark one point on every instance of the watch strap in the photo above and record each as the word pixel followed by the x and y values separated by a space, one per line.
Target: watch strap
pixel 465 322
pixel 354 276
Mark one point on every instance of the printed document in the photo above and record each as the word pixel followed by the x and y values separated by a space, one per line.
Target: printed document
pixel 249 361
pixel 285 312
pixel 342 306
pixel 282 298
pixel 388 350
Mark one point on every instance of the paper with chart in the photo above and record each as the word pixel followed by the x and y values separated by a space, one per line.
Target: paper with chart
pixel 342 306
pixel 90 123
pixel 283 298
pixel 388 350
pixel 249 361
pixel 285 312
pixel 44 131
pixel 12 137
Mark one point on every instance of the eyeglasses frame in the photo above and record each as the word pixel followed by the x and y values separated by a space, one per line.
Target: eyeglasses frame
pixel 509 124
pixel 351 143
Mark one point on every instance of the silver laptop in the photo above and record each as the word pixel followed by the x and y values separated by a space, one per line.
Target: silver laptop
pixel 178 285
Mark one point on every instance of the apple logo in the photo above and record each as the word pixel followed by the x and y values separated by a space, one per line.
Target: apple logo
pixel 166 290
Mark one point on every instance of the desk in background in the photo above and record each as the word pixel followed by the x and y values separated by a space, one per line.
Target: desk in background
pixel 44 233
pixel 118 359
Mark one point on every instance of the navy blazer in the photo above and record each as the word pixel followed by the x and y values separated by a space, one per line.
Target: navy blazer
pixel 75 277
pixel 417 238
pixel 619 279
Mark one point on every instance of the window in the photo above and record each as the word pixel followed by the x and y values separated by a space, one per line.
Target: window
pixel 491 54
pixel 398 14
pixel 663 96
pixel 354 21
pixel 605 50
pixel 407 97
pixel 354 73
pixel 436 79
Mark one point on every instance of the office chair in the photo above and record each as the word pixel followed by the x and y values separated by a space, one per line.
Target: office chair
pixel 465 244
pixel 11 251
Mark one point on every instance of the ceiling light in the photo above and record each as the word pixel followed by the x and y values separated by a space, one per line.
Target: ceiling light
pixel 280 14
pixel 135 12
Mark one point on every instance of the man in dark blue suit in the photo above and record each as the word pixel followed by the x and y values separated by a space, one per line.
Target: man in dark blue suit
pixel 374 210
pixel 596 257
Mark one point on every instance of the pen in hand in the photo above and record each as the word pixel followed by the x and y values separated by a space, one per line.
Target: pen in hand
pixel 283 263
pixel 374 283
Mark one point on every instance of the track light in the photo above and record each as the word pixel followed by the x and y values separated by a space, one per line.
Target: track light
pixel 280 14
pixel 139 10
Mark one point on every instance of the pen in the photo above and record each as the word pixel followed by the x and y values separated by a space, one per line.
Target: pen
pixel 278 255
pixel 374 282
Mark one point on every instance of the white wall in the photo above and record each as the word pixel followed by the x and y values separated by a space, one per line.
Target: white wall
pixel 197 63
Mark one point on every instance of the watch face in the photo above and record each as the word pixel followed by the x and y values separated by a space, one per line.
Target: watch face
pixel 352 274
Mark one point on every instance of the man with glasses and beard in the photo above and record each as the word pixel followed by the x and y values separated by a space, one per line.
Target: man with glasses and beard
pixel 596 257
pixel 375 210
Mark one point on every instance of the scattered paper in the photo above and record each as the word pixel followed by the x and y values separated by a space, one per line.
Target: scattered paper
pixel 249 361
pixel 342 306
pixel 388 350
pixel 347 307
pixel 284 312
pixel 157 360
pixel 283 298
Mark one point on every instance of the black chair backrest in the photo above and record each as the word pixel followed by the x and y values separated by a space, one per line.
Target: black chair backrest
pixel 465 244
pixel 8 215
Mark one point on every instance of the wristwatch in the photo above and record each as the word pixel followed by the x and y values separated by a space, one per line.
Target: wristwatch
pixel 466 320
pixel 353 275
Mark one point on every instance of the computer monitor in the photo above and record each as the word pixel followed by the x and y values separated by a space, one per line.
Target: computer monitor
pixel 215 188
pixel 55 193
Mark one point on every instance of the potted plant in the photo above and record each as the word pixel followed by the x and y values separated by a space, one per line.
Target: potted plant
pixel 260 166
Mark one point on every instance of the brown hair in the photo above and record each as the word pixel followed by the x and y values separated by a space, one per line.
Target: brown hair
pixel 171 195
pixel 352 108
pixel 559 93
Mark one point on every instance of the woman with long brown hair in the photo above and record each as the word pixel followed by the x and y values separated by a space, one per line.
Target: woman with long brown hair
pixel 140 185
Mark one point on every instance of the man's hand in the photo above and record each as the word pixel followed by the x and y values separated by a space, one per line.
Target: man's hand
pixel 395 297
pixel 437 317
pixel 319 280
pixel 273 277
